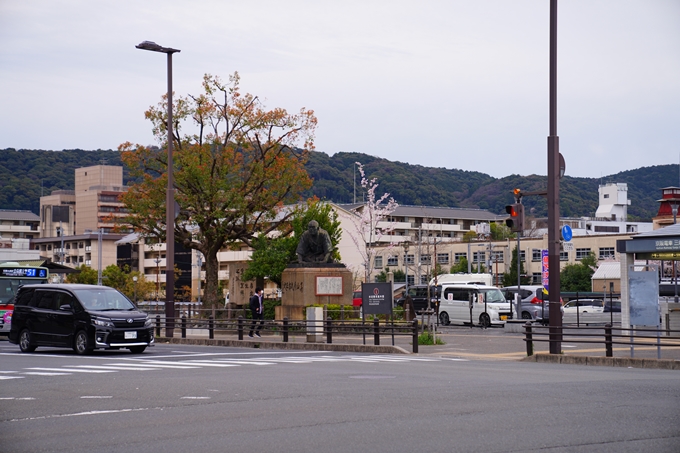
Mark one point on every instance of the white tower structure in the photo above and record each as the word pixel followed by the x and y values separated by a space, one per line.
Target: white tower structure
pixel 614 202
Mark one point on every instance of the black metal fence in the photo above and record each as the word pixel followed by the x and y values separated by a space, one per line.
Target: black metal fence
pixel 607 336
pixel 287 328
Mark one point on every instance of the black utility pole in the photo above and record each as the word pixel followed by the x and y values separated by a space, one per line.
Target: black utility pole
pixel 555 320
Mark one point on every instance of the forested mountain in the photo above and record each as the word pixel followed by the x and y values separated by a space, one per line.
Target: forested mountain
pixel 26 174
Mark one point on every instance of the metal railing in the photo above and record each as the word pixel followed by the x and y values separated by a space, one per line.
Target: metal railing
pixel 607 336
pixel 288 328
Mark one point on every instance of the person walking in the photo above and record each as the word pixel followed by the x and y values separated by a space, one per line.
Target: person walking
pixel 257 311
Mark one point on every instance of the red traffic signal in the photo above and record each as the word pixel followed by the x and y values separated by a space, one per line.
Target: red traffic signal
pixel 516 220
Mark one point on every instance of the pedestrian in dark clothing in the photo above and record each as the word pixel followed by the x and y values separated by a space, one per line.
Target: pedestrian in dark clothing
pixel 257 311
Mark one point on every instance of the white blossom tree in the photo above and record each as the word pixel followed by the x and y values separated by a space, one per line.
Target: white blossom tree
pixel 371 222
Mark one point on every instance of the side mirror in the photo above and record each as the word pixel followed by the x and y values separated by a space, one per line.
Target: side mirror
pixel 65 307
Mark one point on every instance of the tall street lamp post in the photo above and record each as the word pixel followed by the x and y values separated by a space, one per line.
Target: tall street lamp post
pixel 554 196
pixel 169 200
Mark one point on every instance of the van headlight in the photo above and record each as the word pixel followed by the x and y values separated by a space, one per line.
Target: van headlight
pixel 103 322
pixel 148 323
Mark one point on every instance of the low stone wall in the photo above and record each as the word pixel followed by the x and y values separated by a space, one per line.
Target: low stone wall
pixel 663 364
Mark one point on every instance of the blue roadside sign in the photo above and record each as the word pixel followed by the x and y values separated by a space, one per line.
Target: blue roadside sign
pixel 566 233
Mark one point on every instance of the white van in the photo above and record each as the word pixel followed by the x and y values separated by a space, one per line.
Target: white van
pixel 477 279
pixel 489 306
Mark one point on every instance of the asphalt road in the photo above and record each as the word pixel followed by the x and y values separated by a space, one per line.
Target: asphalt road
pixel 176 398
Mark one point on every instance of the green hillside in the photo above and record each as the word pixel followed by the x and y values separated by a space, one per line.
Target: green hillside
pixel 26 174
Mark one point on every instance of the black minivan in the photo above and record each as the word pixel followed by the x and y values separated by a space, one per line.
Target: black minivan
pixel 82 317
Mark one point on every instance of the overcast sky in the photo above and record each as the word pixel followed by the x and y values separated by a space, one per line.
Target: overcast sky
pixel 453 83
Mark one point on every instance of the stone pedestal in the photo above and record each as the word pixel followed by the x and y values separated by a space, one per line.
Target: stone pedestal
pixel 315 325
pixel 322 284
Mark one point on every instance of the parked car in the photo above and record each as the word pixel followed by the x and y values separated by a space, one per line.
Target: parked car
pixel 419 297
pixel 584 306
pixel 357 299
pixel 612 306
pixel 534 305
pixel 82 317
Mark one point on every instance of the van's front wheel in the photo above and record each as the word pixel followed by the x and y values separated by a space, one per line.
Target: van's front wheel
pixel 82 344
pixel 484 320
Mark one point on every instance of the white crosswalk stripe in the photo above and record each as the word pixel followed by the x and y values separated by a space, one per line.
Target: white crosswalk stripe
pixel 72 370
pixel 213 360
pixel 117 368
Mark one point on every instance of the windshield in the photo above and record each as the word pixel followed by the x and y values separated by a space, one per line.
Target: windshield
pixel 9 287
pixel 103 299
pixel 493 295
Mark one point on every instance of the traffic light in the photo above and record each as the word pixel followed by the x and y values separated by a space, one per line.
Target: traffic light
pixel 516 220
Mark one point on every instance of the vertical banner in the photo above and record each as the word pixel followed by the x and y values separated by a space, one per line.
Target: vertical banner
pixel 545 270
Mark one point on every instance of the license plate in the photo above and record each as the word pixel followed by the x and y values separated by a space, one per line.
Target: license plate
pixel 504 317
pixel 130 335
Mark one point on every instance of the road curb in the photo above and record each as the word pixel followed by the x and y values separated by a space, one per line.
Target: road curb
pixel 289 346
pixel 661 364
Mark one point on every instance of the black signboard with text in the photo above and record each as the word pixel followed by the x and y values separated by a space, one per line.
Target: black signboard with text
pixel 376 298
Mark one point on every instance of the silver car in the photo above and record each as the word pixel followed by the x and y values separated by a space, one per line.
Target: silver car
pixel 534 304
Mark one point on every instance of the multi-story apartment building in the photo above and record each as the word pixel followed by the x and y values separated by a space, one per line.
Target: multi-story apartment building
pixel 18 224
pixel 76 226
pixel 17 228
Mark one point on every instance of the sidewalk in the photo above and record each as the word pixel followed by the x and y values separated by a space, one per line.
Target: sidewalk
pixel 462 342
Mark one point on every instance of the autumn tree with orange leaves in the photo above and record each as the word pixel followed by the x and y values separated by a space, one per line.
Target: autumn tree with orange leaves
pixel 235 166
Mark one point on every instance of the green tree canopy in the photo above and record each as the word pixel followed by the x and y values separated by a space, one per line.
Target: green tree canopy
pixel 273 253
pixel 578 277
pixel 510 277
pixel 399 276
pixel 234 169
pixel 87 276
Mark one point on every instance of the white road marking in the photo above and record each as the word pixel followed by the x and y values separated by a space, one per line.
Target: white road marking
pixel 78 414
pixel 213 364
pixel 164 364
pixel 215 360
pixel 95 397
pixel 195 398
pixel 117 368
pixel 241 362
pixel 73 370
pixel 42 373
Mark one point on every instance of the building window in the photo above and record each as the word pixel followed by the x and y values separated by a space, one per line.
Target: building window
pixel 426 259
pixel 378 262
pixel 392 261
pixel 410 259
pixel 478 257
pixel 564 256
pixel 522 255
pixel 606 229
pixel 423 279
pixel 582 253
pixel 536 278
pixel 458 256
pixel 411 280
pixel 497 256
pixel 442 258
pixel 606 252
pixel 536 255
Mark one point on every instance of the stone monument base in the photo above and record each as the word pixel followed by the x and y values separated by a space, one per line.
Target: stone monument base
pixel 318 285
